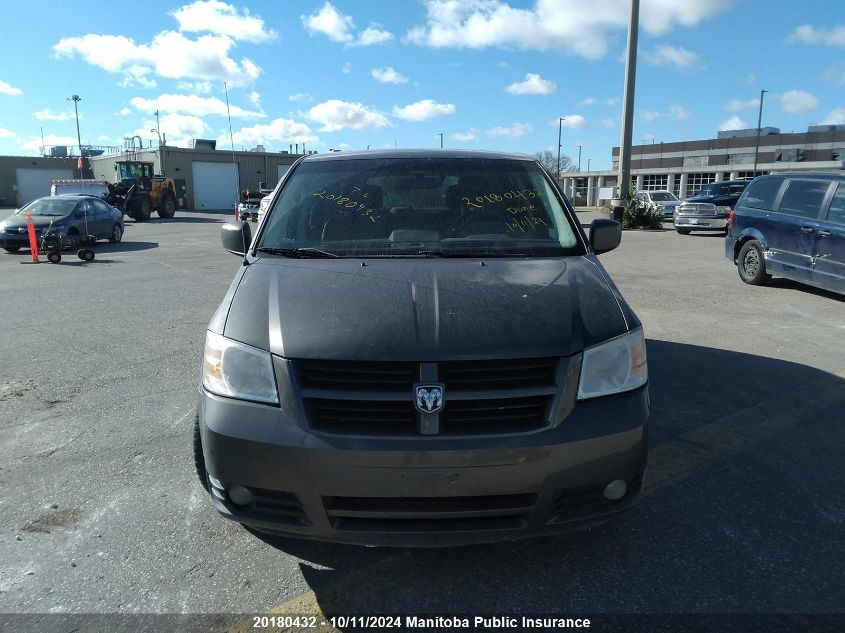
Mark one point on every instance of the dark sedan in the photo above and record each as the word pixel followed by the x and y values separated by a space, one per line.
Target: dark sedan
pixel 62 218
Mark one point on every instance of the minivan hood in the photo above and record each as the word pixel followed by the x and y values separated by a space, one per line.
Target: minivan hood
pixel 423 309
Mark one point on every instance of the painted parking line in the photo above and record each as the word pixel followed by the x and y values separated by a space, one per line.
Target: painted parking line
pixel 670 461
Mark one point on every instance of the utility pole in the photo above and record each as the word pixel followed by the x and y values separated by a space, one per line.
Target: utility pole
pixel 579 158
pixel 560 121
pixel 76 99
pixel 623 178
pixel 759 121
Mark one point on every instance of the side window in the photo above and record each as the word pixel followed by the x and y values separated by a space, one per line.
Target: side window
pixel 804 197
pixel 100 207
pixel 836 213
pixel 85 207
pixel 761 194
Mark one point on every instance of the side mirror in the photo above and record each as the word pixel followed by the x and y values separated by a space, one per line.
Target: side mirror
pixel 605 235
pixel 236 237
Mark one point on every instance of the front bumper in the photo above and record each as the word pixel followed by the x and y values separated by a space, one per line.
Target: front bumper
pixel 424 491
pixel 701 222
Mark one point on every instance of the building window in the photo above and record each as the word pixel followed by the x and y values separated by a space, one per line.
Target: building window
pixel 655 182
pixel 838 153
pixel 696 181
pixel 740 159
pixel 696 161
pixel 789 155
pixel 676 187
pixel 748 175
pixel 615 165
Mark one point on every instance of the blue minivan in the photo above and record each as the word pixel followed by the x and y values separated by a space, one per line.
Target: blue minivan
pixel 791 225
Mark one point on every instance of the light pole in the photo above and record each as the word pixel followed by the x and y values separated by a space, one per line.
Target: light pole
pixel 440 134
pixel 559 132
pixel 76 99
pixel 623 179
pixel 759 121
pixel 579 158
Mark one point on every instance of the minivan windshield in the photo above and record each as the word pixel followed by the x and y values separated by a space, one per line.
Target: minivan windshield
pixel 382 207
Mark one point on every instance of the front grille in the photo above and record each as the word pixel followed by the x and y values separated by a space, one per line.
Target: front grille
pixel 377 398
pixel 506 415
pixel 429 514
pixel 281 507
pixel 697 208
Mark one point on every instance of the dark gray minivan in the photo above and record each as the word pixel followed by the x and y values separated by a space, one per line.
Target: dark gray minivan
pixel 791 225
pixel 420 349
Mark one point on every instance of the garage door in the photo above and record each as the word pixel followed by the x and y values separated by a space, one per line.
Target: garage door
pixel 35 183
pixel 215 185
pixel 281 171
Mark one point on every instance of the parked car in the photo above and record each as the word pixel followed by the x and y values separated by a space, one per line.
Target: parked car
pixel 665 200
pixel 60 217
pixel 421 348
pixel 709 209
pixel 791 225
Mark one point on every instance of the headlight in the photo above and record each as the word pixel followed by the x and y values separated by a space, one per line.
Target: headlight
pixel 614 366
pixel 724 210
pixel 236 370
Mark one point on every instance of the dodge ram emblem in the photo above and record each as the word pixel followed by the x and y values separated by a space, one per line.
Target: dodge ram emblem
pixel 429 398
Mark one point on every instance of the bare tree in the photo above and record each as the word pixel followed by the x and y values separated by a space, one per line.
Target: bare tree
pixel 548 159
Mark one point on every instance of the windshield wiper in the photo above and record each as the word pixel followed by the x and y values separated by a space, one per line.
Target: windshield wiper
pixel 304 251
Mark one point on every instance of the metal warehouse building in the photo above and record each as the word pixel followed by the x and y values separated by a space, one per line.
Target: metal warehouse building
pixel 24 178
pixel 207 178
pixel 685 167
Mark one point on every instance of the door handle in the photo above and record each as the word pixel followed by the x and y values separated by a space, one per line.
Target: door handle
pixel 807 229
pixel 824 234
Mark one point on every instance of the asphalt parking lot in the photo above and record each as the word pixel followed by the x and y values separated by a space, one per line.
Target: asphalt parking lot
pixel 743 509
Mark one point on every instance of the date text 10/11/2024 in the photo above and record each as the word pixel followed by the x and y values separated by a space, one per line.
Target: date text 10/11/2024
pixel 419 622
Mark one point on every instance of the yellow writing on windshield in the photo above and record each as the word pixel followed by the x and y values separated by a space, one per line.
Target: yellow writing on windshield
pixel 478 202
pixel 524 224
pixel 348 204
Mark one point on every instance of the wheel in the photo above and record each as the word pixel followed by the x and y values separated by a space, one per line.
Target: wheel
pixel 54 257
pixel 81 254
pixel 168 206
pixel 684 231
pixel 751 264
pixel 199 458
pixel 116 234
pixel 142 208
pixel 11 249
pixel 89 255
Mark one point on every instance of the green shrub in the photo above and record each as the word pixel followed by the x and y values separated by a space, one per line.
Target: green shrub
pixel 640 214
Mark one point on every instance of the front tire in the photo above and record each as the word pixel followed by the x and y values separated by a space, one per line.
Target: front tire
pixel 116 234
pixel 751 265
pixel 168 207
pixel 142 208
pixel 684 231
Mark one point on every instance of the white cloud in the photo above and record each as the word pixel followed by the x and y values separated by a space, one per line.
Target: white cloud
pixel 48 115
pixel 515 131
pixel 579 27
pixel 281 130
pixel 465 137
pixel 180 129
pixel 736 105
pixel 798 102
pixel 373 34
pixel 388 75
pixel 665 54
pixel 608 122
pixel 254 97
pixel 674 112
pixel 733 123
pixel 533 84
pixel 339 28
pixel 220 18
pixel 6 89
pixel 192 104
pixel 300 96
pixel 811 35
pixel 347 68
pixel 103 137
pixel 834 117
pixel 170 55
pixel 423 110
pixel 200 87
pixel 335 114
pixel 571 121
pixel 124 112
pixel 4 133
pixel 594 101
pixel 34 144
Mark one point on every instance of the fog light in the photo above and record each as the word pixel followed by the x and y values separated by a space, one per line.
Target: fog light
pixel 240 495
pixel 616 490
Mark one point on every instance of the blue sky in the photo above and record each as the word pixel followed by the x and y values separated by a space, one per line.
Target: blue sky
pixel 492 74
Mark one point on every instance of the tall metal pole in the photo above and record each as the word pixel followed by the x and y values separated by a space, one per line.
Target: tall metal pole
pixel 759 121
pixel 440 134
pixel 624 175
pixel 559 131
pixel 589 160
pixel 579 158
pixel 76 99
